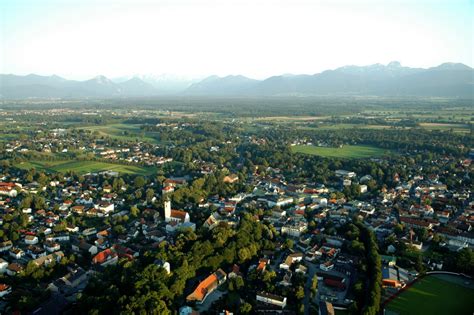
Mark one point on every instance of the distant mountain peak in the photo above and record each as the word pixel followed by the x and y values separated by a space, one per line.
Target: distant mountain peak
pixel 452 66
pixel 394 64
pixel 101 79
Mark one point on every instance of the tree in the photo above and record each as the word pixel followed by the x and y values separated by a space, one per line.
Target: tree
pixel 150 193
pixel 314 285
pixel 289 243
pixel 245 308
pixel 139 182
pixel 134 211
pixel 465 260
pixel 299 293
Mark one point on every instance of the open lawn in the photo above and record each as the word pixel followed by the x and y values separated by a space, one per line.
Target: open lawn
pixel 83 167
pixel 346 152
pixel 435 295
pixel 125 132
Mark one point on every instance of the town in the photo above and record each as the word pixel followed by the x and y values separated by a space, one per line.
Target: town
pixel 118 210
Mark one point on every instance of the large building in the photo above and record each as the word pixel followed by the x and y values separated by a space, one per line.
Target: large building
pixel 271 299
pixel 175 215
pixel 206 286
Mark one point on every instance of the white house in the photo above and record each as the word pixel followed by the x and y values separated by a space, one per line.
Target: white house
pixel 272 299
pixel 51 246
pixel 294 228
pixel 31 240
pixel 105 207
pixel 5 246
pixel 164 264
pixel 16 253
pixel 3 265
pixel 344 173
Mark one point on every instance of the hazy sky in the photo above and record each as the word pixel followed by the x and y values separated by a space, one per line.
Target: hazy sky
pixel 83 38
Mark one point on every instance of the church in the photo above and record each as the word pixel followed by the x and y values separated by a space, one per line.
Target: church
pixel 177 218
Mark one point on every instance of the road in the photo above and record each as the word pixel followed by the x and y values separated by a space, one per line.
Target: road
pixel 307 288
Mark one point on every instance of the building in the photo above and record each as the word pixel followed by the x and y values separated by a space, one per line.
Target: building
pixel 344 173
pixel 163 264
pixel 5 246
pixel 14 269
pixel 5 289
pixel 294 228
pixel 73 279
pixel 31 240
pixel 3 265
pixel 106 257
pixel 16 253
pixel 8 189
pixel 48 259
pixel 271 299
pixel 328 265
pixel 206 286
pixel 231 178
pixel 175 215
pixel 290 260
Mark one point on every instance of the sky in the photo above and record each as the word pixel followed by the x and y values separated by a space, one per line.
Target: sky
pixel 79 39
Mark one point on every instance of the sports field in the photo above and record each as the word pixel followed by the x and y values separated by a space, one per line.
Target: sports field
pixel 83 167
pixel 346 152
pixel 435 295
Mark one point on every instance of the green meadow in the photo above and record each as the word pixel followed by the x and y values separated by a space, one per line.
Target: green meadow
pixel 346 152
pixel 83 167
pixel 124 132
pixel 435 295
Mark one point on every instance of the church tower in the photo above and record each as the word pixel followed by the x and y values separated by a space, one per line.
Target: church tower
pixel 167 210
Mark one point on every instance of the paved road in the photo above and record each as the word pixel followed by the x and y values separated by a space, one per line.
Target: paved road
pixel 307 288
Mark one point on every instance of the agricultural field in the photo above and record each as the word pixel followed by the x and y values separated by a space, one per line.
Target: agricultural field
pixel 125 132
pixel 460 128
pixel 83 167
pixel 346 152
pixel 436 294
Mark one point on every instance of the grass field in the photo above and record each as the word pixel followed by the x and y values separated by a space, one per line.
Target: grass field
pixel 435 295
pixel 83 167
pixel 459 128
pixel 346 152
pixel 125 132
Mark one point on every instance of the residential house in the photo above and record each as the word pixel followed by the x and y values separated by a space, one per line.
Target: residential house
pixel 290 260
pixel 14 269
pixel 3 265
pixel 5 289
pixel 48 259
pixel 271 299
pixel 106 257
pixel 31 240
pixel 5 246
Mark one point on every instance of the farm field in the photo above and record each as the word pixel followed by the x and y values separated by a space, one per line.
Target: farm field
pixel 125 132
pixel 344 126
pixel 346 152
pixel 83 167
pixel 462 128
pixel 436 294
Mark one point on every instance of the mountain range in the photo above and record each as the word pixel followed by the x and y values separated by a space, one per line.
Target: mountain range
pixel 445 80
